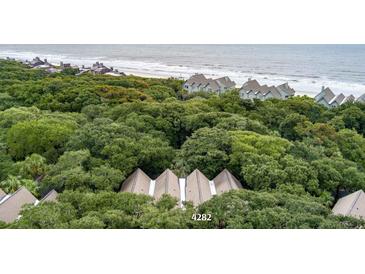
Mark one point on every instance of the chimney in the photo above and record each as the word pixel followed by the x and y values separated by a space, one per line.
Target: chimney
pixel 322 88
pixel 112 68
pixel 83 66
pixel 45 60
pixel 101 64
pixel 249 78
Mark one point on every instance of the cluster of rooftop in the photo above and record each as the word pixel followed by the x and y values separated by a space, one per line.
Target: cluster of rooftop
pixel 198 82
pixel 100 68
pixel 97 68
pixel 196 187
pixel 11 204
pixel 253 90
pixel 328 99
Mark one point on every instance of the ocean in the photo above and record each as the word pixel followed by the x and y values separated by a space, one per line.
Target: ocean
pixel 305 67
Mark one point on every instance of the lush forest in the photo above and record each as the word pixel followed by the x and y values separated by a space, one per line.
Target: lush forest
pixel 83 135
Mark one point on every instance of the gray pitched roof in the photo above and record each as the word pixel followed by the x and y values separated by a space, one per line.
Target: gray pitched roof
pixel 137 182
pixel 11 207
pixel 326 94
pixel 287 89
pixel 338 99
pixel 273 90
pixel 196 79
pixel 50 197
pixel 197 188
pixel 167 183
pixel 351 205
pixel 212 84
pixel 349 99
pixel 225 82
pixel 225 181
pixel 361 98
pixel 250 85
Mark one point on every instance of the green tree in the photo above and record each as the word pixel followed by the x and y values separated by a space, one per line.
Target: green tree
pixel 46 137
pixel 208 150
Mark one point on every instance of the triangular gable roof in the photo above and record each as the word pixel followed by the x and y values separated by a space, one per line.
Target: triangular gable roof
pixel 250 85
pixel 50 197
pixel 273 90
pixel 225 181
pixel 326 94
pixel 197 188
pixel 196 79
pixel 10 209
pixel 137 182
pixel 286 88
pixel 212 83
pixel 225 82
pixel 167 183
pixel 338 99
pixel 361 98
pixel 349 99
pixel 351 205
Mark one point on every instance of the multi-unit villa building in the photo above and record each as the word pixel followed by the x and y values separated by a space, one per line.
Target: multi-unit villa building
pixel 196 187
pixel 253 90
pixel 328 99
pixel 198 82
pixel 100 68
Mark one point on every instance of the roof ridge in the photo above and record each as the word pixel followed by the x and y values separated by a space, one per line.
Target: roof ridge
pixel 355 201
pixel 199 186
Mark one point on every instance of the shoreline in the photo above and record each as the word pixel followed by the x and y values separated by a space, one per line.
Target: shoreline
pixel 302 87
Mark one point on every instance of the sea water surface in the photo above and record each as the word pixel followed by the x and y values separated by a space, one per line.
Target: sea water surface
pixel 305 67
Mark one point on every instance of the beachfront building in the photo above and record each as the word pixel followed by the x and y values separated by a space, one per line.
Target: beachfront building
pixel 253 90
pixel 198 82
pixel 325 97
pixel 195 188
pixel 35 62
pixel 349 99
pixel 100 68
pixel 338 100
pixel 328 99
pixel 361 99
pixel 351 205
pixel 12 204
pixel 285 90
